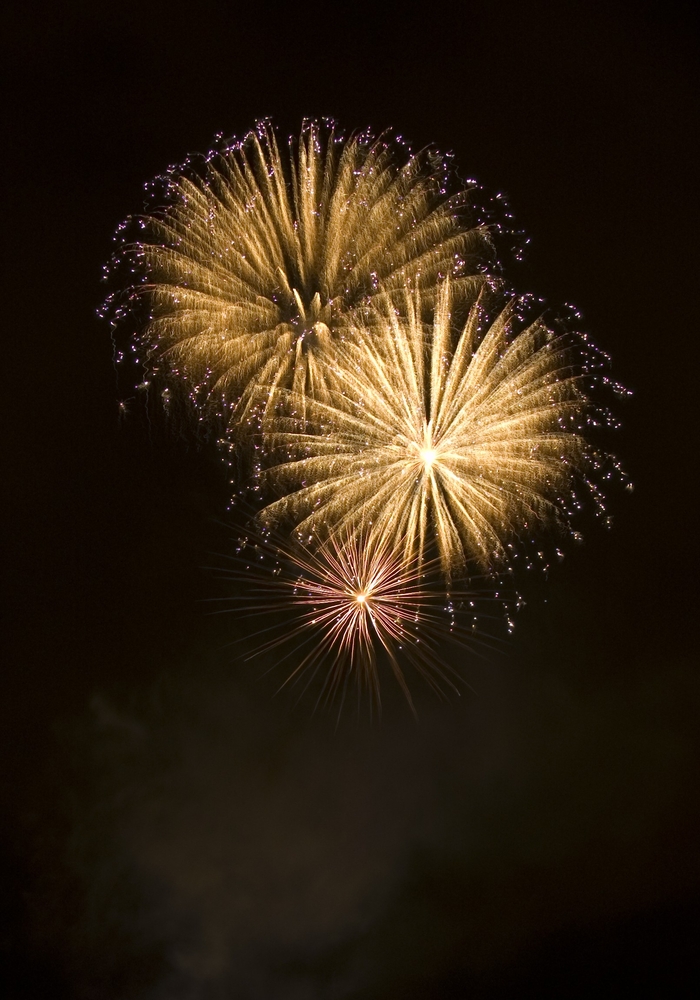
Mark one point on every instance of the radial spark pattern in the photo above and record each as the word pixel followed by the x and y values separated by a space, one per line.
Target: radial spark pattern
pixel 261 255
pixel 456 442
pixel 354 599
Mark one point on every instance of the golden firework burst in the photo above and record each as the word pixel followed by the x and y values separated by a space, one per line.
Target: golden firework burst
pixel 261 256
pixel 461 442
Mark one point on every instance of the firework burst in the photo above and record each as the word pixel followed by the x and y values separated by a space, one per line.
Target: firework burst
pixel 348 606
pixel 458 442
pixel 258 257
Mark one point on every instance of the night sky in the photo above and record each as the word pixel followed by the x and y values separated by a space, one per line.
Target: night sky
pixel 169 827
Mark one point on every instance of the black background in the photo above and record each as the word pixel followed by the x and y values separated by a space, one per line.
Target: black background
pixel 169 829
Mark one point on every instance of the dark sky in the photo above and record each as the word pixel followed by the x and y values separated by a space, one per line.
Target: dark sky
pixel 169 828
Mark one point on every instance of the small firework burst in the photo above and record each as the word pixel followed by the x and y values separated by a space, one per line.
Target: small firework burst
pixel 349 607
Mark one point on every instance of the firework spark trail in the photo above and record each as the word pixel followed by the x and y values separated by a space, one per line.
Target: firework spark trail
pixel 260 258
pixel 464 445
